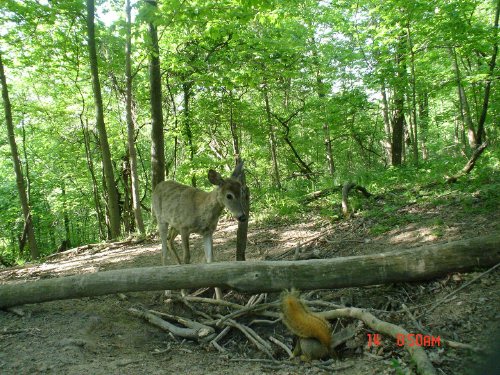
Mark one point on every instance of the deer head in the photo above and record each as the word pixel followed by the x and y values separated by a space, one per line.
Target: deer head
pixel 229 191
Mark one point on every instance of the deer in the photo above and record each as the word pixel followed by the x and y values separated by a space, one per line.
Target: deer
pixel 186 209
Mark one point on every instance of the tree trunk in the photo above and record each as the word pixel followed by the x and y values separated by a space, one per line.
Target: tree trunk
pixel 465 112
pixel 176 123
pixel 398 121
pixel 23 197
pixel 127 211
pixel 487 88
pixel 157 137
pixel 387 142
pixel 242 232
pixel 136 199
pixel 424 263
pixel 272 141
pixel 329 148
pixel 423 115
pixel 112 193
pixel 67 240
pixel 186 89
pixel 413 81
pixel 321 90
pixel 95 186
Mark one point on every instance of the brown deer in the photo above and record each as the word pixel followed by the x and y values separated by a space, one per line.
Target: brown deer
pixel 190 210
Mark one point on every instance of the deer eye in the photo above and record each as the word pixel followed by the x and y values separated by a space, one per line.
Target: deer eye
pixel 229 196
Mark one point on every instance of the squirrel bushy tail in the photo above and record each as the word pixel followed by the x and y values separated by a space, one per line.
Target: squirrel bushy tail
pixel 303 322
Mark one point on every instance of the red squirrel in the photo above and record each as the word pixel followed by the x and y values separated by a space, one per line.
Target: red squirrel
pixel 313 331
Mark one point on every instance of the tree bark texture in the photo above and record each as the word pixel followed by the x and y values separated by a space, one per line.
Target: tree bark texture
pixel 134 176
pixel 322 89
pixel 487 87
pixel 413 83
pixel 272 141
pixel 465 112
pixel 186 89
pixel 387 141
pixel 242 232
pixel 398 121
pixel 90 166
pixel 21 188
pixel 112 193
pixel 414 264
pixel 155 97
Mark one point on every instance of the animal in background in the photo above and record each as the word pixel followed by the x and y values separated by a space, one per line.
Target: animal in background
pixel 187 210
pixel 313 331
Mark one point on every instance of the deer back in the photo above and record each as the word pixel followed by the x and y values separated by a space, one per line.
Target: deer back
pixel 185 207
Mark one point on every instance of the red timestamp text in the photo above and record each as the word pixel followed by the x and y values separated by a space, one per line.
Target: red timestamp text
pixel 418 339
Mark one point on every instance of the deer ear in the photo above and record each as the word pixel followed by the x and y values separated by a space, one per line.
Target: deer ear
pixel 215 178
pixel 237 171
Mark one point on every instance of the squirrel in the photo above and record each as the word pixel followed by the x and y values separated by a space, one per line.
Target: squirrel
pixel 313 331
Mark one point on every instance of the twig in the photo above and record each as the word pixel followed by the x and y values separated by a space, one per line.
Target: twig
pixel 188 333
pixel 261 360
pixel 450 343
pixel 262 345
pixel 264 321
pixel 202 329
pixel 459 289
pixel 16 311
pixel 412 318
pixel 15 331
pixel 222 333
pixel 282 345
pixel 217 346
pixel 424 365
pixel 323 304
pixel 199 313
pixel 163 351
pixel 218 302
pixel 252 308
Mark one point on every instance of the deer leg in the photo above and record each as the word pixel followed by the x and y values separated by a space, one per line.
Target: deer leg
pixel 163 229
pixel 185 246
pixel 208 245
pixel 170 243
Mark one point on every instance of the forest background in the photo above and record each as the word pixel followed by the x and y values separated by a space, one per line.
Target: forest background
pixel 102 104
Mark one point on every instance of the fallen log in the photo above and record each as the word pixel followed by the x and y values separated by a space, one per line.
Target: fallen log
pixel 421 263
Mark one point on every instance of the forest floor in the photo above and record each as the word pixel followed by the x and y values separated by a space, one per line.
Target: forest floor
pixel 99 336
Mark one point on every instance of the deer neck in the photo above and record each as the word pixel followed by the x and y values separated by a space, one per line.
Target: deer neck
pixel 214 205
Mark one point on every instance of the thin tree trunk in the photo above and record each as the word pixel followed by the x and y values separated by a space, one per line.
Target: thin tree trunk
pixel 67 232
pixel 23 197
pixel 487 88
pixel 95 186
pixel 112 193
pixel 27 169
pixel 387 124
pixel 463 102
pixel 413 81
pixel 127 211
pixel 176 124
pixel 186 89
pixel 157 137
pixel 272 141
pixel 423 115
pixel 398 121
pixel 320 87
pixel 136 199
pixel 242 232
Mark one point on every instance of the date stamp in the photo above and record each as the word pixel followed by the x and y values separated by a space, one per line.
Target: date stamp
pixel 410 339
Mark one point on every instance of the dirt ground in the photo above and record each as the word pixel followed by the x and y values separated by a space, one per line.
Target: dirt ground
pixel 99 336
